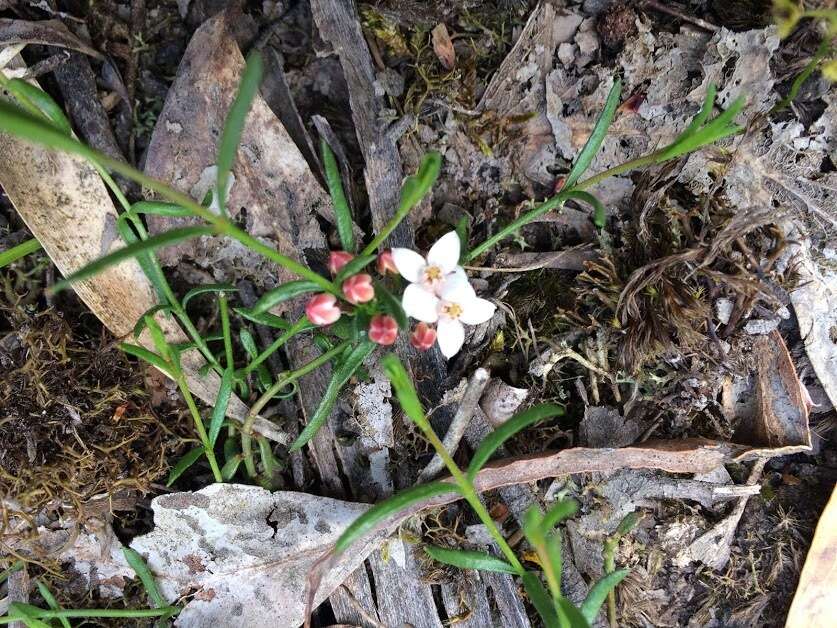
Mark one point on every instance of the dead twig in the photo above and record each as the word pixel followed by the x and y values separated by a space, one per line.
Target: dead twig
pixel 668 10
pixel 460 422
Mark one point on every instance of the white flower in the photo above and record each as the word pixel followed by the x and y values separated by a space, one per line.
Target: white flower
pixel 439 292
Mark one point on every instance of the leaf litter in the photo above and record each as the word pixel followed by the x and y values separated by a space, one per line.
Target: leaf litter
pixel 669 72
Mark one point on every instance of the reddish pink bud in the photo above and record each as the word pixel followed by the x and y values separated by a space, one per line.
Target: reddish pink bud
pixel 322 309
pixel 383 329
pixel 386 264
pixel 423 337
pixel 337 260
pixel 358 289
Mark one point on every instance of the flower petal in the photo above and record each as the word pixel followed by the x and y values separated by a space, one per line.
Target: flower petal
pixel 456 288
pixel 451 335
pixel 445 253
pixel 420 304
pixel 476 311
pixel 409 263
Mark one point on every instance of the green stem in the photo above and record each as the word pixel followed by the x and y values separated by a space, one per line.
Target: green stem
pixel 822 50
pixel 281 340
pixel 383 234
pixel 225 328
pixel 633 164
pixel 559 199
pixel 196 416
pixel 509 229
pixel 471 496
pixel 221 224
pixel 281 381
pixel 94 612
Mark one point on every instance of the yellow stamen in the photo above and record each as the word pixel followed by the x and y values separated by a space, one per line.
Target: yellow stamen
pixel 453 310
pixel 433 273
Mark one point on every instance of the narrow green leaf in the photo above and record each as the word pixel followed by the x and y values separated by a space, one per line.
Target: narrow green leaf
pixel 353 267
pixel 404 389
pixel 147 356
pixel 598 594
pixel 137 563
pixel 342 211
pixel 16 252
pixel 230 467
pixel 266 319
pixel 147 261
pixel 463 231
pixel 49 598
pixel 704 113
pixel 46 105
pixel 594 142
pixel 552 545
pixel 269 461
pixel 27 614
pixel 185 461
pixel 540 599
pixel 207 288
pixel 222 400
pixel 395 504
pixel 391 305
pixel 559 511
pixel 569 616
pixel 234 125
pixel 599 211
pixel 341 375
pixel 150 312
pixel 716 129
pixel 159 208
pixel 249 344
pixel 469 559
pixel 159 339
pixel 286 291
pixel 417 185
pixel 508 429
pixel 132 250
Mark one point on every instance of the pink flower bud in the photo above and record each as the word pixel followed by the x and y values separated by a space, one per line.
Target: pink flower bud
pixel 423 337
pixel 322 309
pixel 386 264
pixel 337 260
pixel 358 289
pixel 383 329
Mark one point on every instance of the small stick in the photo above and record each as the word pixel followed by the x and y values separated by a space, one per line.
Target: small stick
pixel 365 615
pixel 460 422
pixel 662 8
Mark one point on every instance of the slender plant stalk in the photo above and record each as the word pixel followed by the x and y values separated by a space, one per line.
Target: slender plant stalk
pixel 383 234
pixel 201 430
pixel 471 496
pixel 275 345
pixel 281 381
pixel 223 306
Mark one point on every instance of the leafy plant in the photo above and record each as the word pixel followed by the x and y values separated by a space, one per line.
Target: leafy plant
pixel 539 528
pixel 348 314
pixel 35 617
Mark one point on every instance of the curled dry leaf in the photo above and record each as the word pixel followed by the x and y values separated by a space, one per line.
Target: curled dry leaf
pixel 46 32
pixel 66 206
pixel 443 46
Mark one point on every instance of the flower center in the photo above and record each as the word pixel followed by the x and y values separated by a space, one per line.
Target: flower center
pixel 452 310
pixel 432 274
